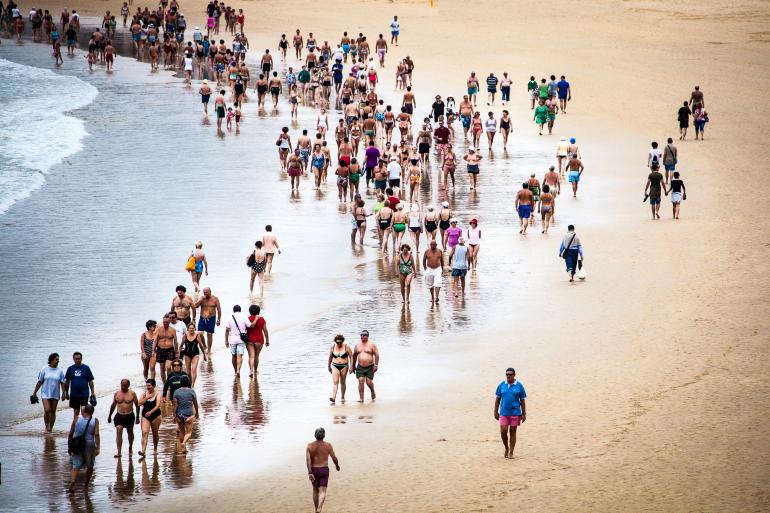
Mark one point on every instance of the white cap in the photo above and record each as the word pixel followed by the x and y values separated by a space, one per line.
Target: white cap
pixel 453 220
pixel 445 204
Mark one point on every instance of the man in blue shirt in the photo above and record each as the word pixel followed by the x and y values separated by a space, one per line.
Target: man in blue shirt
pixel 79 380
pixel 565 94
pixel 510 409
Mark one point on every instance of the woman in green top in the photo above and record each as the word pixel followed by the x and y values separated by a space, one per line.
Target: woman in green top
pixel 532 90
pixel 399 225
pixel 405 271
pixel 543 89
pixel 541 114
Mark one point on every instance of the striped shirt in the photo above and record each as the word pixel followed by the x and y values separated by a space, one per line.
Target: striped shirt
pixel 492 82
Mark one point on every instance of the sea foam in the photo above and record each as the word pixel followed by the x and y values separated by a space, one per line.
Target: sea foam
pixel 37 131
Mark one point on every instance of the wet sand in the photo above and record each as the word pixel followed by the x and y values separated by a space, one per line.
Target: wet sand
pixel 646 383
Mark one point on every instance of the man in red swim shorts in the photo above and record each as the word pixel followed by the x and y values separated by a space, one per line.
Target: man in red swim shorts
pixel 317 459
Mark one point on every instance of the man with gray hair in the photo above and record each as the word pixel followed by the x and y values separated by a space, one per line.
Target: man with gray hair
pixel 317 458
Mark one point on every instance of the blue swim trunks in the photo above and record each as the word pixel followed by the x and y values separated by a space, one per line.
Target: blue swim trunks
pixel 574 176
pixel 466 120
pixel 207 324
pixel 525 211
pixel 654 201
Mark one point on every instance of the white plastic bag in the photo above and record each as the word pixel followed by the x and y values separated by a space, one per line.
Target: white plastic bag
pixel 581 273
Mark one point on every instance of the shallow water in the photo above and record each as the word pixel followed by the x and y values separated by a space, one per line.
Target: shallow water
pixel 99 247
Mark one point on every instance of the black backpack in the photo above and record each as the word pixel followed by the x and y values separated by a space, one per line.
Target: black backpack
pixel 77 444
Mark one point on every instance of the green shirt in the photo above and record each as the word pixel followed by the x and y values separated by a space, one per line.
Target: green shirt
pixel 304 76
pixel 531 85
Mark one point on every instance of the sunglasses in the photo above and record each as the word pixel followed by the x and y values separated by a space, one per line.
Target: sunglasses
pixel 509 374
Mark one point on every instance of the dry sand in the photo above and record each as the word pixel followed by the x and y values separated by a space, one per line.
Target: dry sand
pixel 647 383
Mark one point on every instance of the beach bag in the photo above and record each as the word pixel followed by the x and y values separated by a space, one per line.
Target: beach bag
pixel 190 266
pixel 251 260
pixel 244 336
pixel 581 273
pixel 77 444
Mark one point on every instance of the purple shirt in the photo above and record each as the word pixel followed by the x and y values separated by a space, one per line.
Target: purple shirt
pixel 372 156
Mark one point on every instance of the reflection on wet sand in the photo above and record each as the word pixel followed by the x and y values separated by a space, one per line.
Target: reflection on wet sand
pixel 151 478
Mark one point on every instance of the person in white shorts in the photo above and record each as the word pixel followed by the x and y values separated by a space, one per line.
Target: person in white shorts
pixel 433 268
pixel 237 324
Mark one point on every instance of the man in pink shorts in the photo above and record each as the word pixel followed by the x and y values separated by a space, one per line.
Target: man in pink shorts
pixel 510 409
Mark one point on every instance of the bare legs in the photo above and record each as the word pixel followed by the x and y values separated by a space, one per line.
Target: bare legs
pixel 339 378
pixel 509 445
pixel 370 384
pixel 49 413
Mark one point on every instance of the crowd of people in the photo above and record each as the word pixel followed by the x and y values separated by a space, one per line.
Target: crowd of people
pixel 382 150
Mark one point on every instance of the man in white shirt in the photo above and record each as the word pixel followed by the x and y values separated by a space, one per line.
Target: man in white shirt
pixel 236 326
pixel 394 174
pixel 178 325
pixel 338 54
pixel 395 30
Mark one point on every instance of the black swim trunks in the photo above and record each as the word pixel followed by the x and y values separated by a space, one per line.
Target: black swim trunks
pixel 125 420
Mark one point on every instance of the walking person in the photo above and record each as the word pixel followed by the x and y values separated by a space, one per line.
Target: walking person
pixel 236 336
pixel 258 338
pixel 151 417
pixel 510 409
pixel 146 344
pixel 191 349
pixel 669 158
pixel 460 261
pixel 79 381
pixel 83 453
pixel 655 184
pixel 317 457
pixel 406 269
pixel 126 402
pixel 433 269
pixel 678 193
pixel 340 357
pixel 571 250
pixel 366 359
pixel 683 116
pixel 51 381
pixel 186 410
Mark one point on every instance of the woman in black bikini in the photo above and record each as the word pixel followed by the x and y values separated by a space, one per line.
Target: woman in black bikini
pixel 151 417
pixel 360 217
pixel 192 347
pixel 340 356
pixel 258 260
pixel 146 341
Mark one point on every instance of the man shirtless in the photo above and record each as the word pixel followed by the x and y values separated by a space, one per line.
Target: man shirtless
pixel 533 184
pixel 125 417
pixel 551 179
pixel 524 203
pixel 409 102
pixel 298 43
pixel 276 88
pixel 270 246
pixel 317 459
pixel 366 358
pixel 182 305
pixel 304 143
pixel 574 172
pixel 381 46
pixel 433 268
pixel 165 347
pixel 466 112
pixel 211 315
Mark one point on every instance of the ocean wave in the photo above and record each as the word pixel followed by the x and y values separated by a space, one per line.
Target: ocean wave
pixel 37 132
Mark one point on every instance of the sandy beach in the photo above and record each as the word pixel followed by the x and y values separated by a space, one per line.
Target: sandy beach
pixel 647 383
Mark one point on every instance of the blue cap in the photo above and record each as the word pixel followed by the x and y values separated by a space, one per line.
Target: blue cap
pixel 572 140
